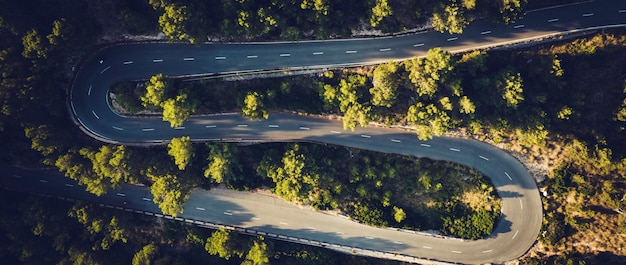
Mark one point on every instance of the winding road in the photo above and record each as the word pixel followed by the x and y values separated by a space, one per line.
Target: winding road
pixel 521 204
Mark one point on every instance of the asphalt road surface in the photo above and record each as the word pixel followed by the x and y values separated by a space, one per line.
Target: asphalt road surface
pixel 521 210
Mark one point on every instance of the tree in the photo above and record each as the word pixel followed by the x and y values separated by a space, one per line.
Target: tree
pixel 111 167
pixel 510 85
pixel 253 107
pixel 511 10
pixel 223 244
pixel 34 47
pixel 146 255
pixel 466 106
pixel 450 18
pixel 384 92
pixel 157 89
pixel 181 150
pixel 428 73
pixel 223 166
pixel 398 214
pixel 105 228
pixel 177 111
pixel 258 253
pixel 169 194
pixel 296 177
pixel 380 11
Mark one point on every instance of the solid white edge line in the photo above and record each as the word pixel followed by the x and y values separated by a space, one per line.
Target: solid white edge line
pixel 94 114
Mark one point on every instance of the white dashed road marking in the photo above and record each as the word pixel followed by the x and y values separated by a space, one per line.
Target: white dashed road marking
pixel 385 50
pixel 252 56
pixel 518 26
pixel 121 194
pixel 418 45
pixel 69 185
pixel 43 181
pixel 365 136
pixel 147 129
pixel 256 218
pixel 453 39
pixel 210 126
pixel 351 51
pixel 396 141
pixel 304 128
pixel 179 128
pixel 369 237
pixel 398 243
pixel 456 251
pixel 283 223
pixel 157 60
pixel 587 14
pixel 310 228
pixel 285 55
pixel 508 176
pixel 220 57
pixel 228 213
pixel 425 145
pixel 146 199
pixel 89 91
pixel 318 53
pixel 484 158
pixel 272 126
pixel 487 251
pixel 335 132
pixel 622 11
pixel 514 236
pixel 188 59
pixel 521 204
pixel 427 247
pixel 17 176
pixel 118 128
pixel 105 69
pixel 485 32
pixel 553 20
pixel 242 125
pixel 455 150
pixel 128 62
pixel 94 114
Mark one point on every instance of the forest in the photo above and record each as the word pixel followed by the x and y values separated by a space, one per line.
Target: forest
pixel 562 105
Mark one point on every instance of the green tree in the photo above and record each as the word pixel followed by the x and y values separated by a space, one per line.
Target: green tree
pixel 510 85
pixel 169 193
pixel 380 11
pixel 34 46
pixel 253 107
pixel 450 18
pixel 385 81
pixel 146 255
pixel 182 151
pixel 466 106
pixel 177 111
pixel 511 10
pixel 222 243
pixel 104 230
pixel 157 89
pixel 111 167
pixel 296 177
pixel 223 163
pixel 258 254
pixel 398 214
pixel 429 73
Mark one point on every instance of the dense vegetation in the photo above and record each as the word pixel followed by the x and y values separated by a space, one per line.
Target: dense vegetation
pixel 562 106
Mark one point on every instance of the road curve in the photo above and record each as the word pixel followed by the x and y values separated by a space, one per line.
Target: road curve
pixel 521 210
